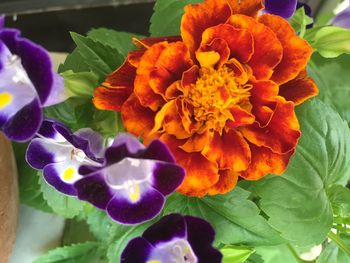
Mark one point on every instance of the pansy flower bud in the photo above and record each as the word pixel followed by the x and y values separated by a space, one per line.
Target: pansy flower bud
pixel 133 182
pixel 27 83
pixel 60 153
pixel 173 239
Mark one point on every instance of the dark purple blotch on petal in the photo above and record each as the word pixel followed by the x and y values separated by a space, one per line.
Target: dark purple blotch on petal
pixel 167 177
pixel 168 228
pixel 25 123
pixel 132 143
pixel 37 156
pixel 201 235
pixel 124 211
pixel 283 8
pixel 93 188
pixel 158 151
pixel 137 251
pixel 52 178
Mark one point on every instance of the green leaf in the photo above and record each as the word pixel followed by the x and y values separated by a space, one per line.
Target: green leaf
pixel 121 41
pixel 74 62
pixel 329 41
pixel 235 218
pixel 296 203
pixel 29 187
pixel 236 254
pixel 80 84
pixel 78 253
pixel 63 205
pixel 120 235
pixel 332 253
pixel 340 199
pixel 76 231
pixel 166 18
pixel 99 223
pixel 276 254
pixel 101 59
pixel 300 20
pixel 333 80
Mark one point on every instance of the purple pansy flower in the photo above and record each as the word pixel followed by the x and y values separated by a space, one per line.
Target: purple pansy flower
pixel 133 182
pixel 174 238
pixel 27 83
pixel 283 8
pixel 60 153
pixel 342 19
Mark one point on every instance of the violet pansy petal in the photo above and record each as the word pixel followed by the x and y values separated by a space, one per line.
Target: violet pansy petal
pixel 157 150
pixel 132 143
pixel 342 19
pixel 166 229
pixel 88 169
pixel 285 8
pixel 62 176
pixel 94 149
pixel 167 177
pixel 125 211
pixel 25 123
pixel 93 188
pixel 48 131
pixel 201 235
pixel 58 93
pixel 38 154
pixel 136 251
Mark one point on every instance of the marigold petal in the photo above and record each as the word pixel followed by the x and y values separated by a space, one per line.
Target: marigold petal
pixel 201 173
pixel 229 150
pixel 282 132
pixel 199 17
pixel 219 46
pixel 267 48
pixel 299 89
pixel 265 162
pixel 241 117
pixel 239 41
pixel 173 91
pixel 110 99
pixel 137 119
pixel 296 51
pixel 227 181
pixel 246 7
pixel 196 142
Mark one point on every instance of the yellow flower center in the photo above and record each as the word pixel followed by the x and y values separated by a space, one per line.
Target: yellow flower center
pixel 5 99
pixel 214 94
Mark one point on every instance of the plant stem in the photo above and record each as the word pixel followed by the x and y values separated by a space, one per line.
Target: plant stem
pixel 295 254
pixel 336 239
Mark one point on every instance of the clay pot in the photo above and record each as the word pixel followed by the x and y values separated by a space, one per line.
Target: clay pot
pixel 8 199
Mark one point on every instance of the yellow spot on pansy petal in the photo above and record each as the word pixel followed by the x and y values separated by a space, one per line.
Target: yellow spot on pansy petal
pixel 154 261
pixel 208 59
pixel 133 191
pixel 5 99
pixel 68 174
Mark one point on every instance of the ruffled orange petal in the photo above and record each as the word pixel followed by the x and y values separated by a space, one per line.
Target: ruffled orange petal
pixel 241 118
pixel 150 41
pixel 282 132
pixel 199 17
pixel 296 51
pixel 239 41
pixel 110 99
pixel 263 99
pixel 227 181
pixel 229 150
pixel 246 7
pixel 201 174
pixel 299 89
pixel 218 46
pixel 137 119
pixel 265 162
pixel 196 142
pixel 267 48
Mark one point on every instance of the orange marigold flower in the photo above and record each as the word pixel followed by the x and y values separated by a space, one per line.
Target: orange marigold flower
pixel 221 96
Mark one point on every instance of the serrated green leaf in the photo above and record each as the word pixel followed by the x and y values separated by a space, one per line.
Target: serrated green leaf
pixel 276 254
pixel 78 253
pixel 63 205
pixel 81 84
pixel 74 62
pixel 236 219
pixel 121 41
pixel 101 59
pixel 236 254
pixel 296 203
pixel 120 235
pixel 334 90
pixel 329 41
pixel 166 18
pixel 99 223
pixel 300 20
pixel 28 179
